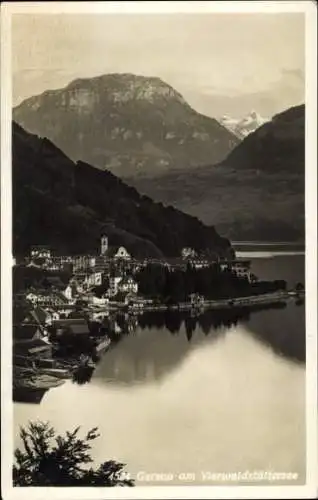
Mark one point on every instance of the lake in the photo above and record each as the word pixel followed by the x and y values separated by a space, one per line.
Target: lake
pixel 219 393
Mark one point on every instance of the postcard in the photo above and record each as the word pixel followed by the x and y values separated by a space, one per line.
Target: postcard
pixel 159 250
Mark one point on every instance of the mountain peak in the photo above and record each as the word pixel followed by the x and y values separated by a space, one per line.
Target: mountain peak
pixel 124 87
pixel 129 124
pixel 242 127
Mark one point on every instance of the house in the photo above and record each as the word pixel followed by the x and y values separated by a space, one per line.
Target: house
pixel 69 291
pixel 40 251
pixel 102 264
pixel 199 263
pixel 117 252
pixel 74 326
pixel 98 315
pixel 47 298
pixel 103 245
pixel 99 301
pixel 84 280
pixel 242 269
pixel 128 284
pixel 225 265
pixel 64 311
pixel 40 257
pixel 79 329
pixel 32 297
pixel 83 262
pixel 53 315
pixel 188 252
pixel 60 263
pixel 93 279
pixel 114 280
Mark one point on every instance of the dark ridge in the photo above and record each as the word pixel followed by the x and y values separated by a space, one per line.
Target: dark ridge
pixel 69 205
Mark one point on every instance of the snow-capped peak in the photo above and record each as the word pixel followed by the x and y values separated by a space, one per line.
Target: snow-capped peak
pixel 242 127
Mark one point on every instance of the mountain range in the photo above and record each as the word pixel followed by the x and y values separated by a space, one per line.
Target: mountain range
pixel 69 205
pixel 128 124
pixel 256 193
pixel 242 127
pixel 144 132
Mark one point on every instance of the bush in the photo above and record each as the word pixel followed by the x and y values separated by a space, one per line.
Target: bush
pixel 48 459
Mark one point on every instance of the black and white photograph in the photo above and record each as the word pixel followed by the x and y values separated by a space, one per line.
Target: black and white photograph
pixel 159 272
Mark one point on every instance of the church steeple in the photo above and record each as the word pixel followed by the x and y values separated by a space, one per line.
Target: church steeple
pixel 104 245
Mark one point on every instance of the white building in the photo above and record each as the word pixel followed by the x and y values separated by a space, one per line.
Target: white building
pixel 187 252
pixel 40 252
pixel 52 316
pixel 68 292
pixel 32 297
pixel 99 301
pixel 93 279
pixel 118 253
pixel 83 262
pixel 199 263
pixel 113 284
pixel 103 245
pixel 242 269
pixel 128 284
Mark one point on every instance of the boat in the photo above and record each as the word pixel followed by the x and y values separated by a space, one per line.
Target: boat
pixel 60 373
pixel 37 382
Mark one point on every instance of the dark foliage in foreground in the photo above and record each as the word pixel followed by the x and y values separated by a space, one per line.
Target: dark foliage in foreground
pixel 48 459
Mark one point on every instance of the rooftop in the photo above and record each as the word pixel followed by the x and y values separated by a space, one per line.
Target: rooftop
pixel 70 321
pixel 79 329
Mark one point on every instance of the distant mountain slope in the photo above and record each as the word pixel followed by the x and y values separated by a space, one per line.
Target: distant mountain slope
pixel 128 124
pixel 277 146
pixel 257 193
pixel 242 127
pixel 68 206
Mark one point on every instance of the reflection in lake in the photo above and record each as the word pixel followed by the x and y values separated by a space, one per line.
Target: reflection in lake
pixel 163 339
pixel 83 374
pixel 31 396
pixel 223 391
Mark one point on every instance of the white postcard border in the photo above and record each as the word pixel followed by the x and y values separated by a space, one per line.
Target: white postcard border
pixel 310 489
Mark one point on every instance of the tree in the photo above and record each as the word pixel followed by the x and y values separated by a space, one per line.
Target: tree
pixel 48 459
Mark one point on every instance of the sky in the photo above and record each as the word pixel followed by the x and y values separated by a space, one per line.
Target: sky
pixel 222 63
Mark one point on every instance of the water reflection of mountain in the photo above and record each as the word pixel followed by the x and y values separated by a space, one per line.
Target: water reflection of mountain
pixel 32 396
pixel 83 374
pixel 161 341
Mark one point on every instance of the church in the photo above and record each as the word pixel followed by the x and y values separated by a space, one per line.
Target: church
pixel 113 252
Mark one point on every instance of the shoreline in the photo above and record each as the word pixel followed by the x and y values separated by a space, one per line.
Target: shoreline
pixel 229 303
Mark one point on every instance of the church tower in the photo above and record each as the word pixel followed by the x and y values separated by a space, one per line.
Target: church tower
pixel 104 245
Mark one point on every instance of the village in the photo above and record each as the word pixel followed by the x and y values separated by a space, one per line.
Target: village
pixel 68 310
